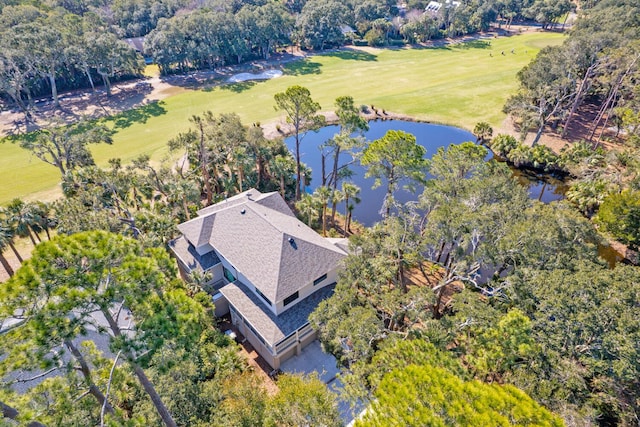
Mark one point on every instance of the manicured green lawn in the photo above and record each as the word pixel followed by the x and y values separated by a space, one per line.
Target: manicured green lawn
pixel 457 85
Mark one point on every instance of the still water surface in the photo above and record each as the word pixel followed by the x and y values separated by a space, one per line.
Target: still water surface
pixel 431 137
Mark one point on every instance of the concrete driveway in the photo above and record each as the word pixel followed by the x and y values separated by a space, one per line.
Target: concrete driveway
pixel 312 359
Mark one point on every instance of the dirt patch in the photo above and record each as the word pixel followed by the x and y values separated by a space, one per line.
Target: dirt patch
pixel 580 129
pixel 256 363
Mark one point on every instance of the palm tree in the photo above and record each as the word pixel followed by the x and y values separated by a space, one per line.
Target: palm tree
pixel 182 192
pixel 336 197
pixel 42 218
pixel 307 205
pixel 8 235
pixel 20 216
pixel 351 193
pixel 4 242
pixel 483 132
pixel 323 195
pixel 282 167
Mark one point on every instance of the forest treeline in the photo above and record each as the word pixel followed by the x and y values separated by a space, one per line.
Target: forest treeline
pixel 49 46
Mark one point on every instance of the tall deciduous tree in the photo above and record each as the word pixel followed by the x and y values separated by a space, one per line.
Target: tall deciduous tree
pixel 110 56
pixel 548 85
pixel 66 147
pixel 319 23
pixel 302 113
pixel 394 157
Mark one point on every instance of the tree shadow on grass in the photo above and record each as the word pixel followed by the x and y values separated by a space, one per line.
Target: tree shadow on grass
pixel 352 55
pixel 434 45
pixel 299 68
pixel 474 44
pixel 237 87
pixel 137 115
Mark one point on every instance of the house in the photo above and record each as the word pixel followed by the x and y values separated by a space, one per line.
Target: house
pixel 136 43
pixel 434 7
pixel 268 269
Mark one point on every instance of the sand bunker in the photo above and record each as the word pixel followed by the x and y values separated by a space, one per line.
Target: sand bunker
pixel 243 77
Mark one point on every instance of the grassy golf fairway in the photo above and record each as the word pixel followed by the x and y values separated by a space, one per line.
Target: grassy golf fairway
pixel 458 85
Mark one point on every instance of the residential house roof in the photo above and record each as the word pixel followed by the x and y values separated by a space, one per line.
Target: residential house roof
pixel 272 200
pixel 136 43
pixel 192 259
pixel 272 328
pixel 265 242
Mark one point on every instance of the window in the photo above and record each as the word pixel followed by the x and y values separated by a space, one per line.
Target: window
pixel 263 296
pixel 291 298
pixel 228 275
pixel 319 279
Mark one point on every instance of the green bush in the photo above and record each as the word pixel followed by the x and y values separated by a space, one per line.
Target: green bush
pixel 538 157
pixel 520 156
pixel 503 144
pixel 542 157
pixel 619 215
pixel 374 37
pixel 587 195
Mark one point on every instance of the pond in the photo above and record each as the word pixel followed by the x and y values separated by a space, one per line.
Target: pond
pixel 431 137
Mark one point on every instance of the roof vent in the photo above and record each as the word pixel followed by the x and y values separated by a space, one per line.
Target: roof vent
pixel 243 211
pixel 292 243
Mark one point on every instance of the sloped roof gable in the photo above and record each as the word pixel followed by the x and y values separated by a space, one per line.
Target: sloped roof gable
pixel 264 241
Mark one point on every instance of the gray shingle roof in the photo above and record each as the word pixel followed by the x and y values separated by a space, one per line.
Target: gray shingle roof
pixel 198 230
pixel 272 200
pixel 271 327
pixel 190 258
pixel 274 250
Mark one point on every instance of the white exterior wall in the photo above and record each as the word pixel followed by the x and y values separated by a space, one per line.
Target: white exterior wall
pixel 332 276
pixel 204 249
pixel 216 273
pixel 220 304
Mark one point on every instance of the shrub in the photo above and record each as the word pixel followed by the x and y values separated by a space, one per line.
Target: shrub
pixel 374 37
pixel 619 215
pixel 520 156
pixel 581 152
pixel 542 157
pixel 503 144
pixel 587 195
